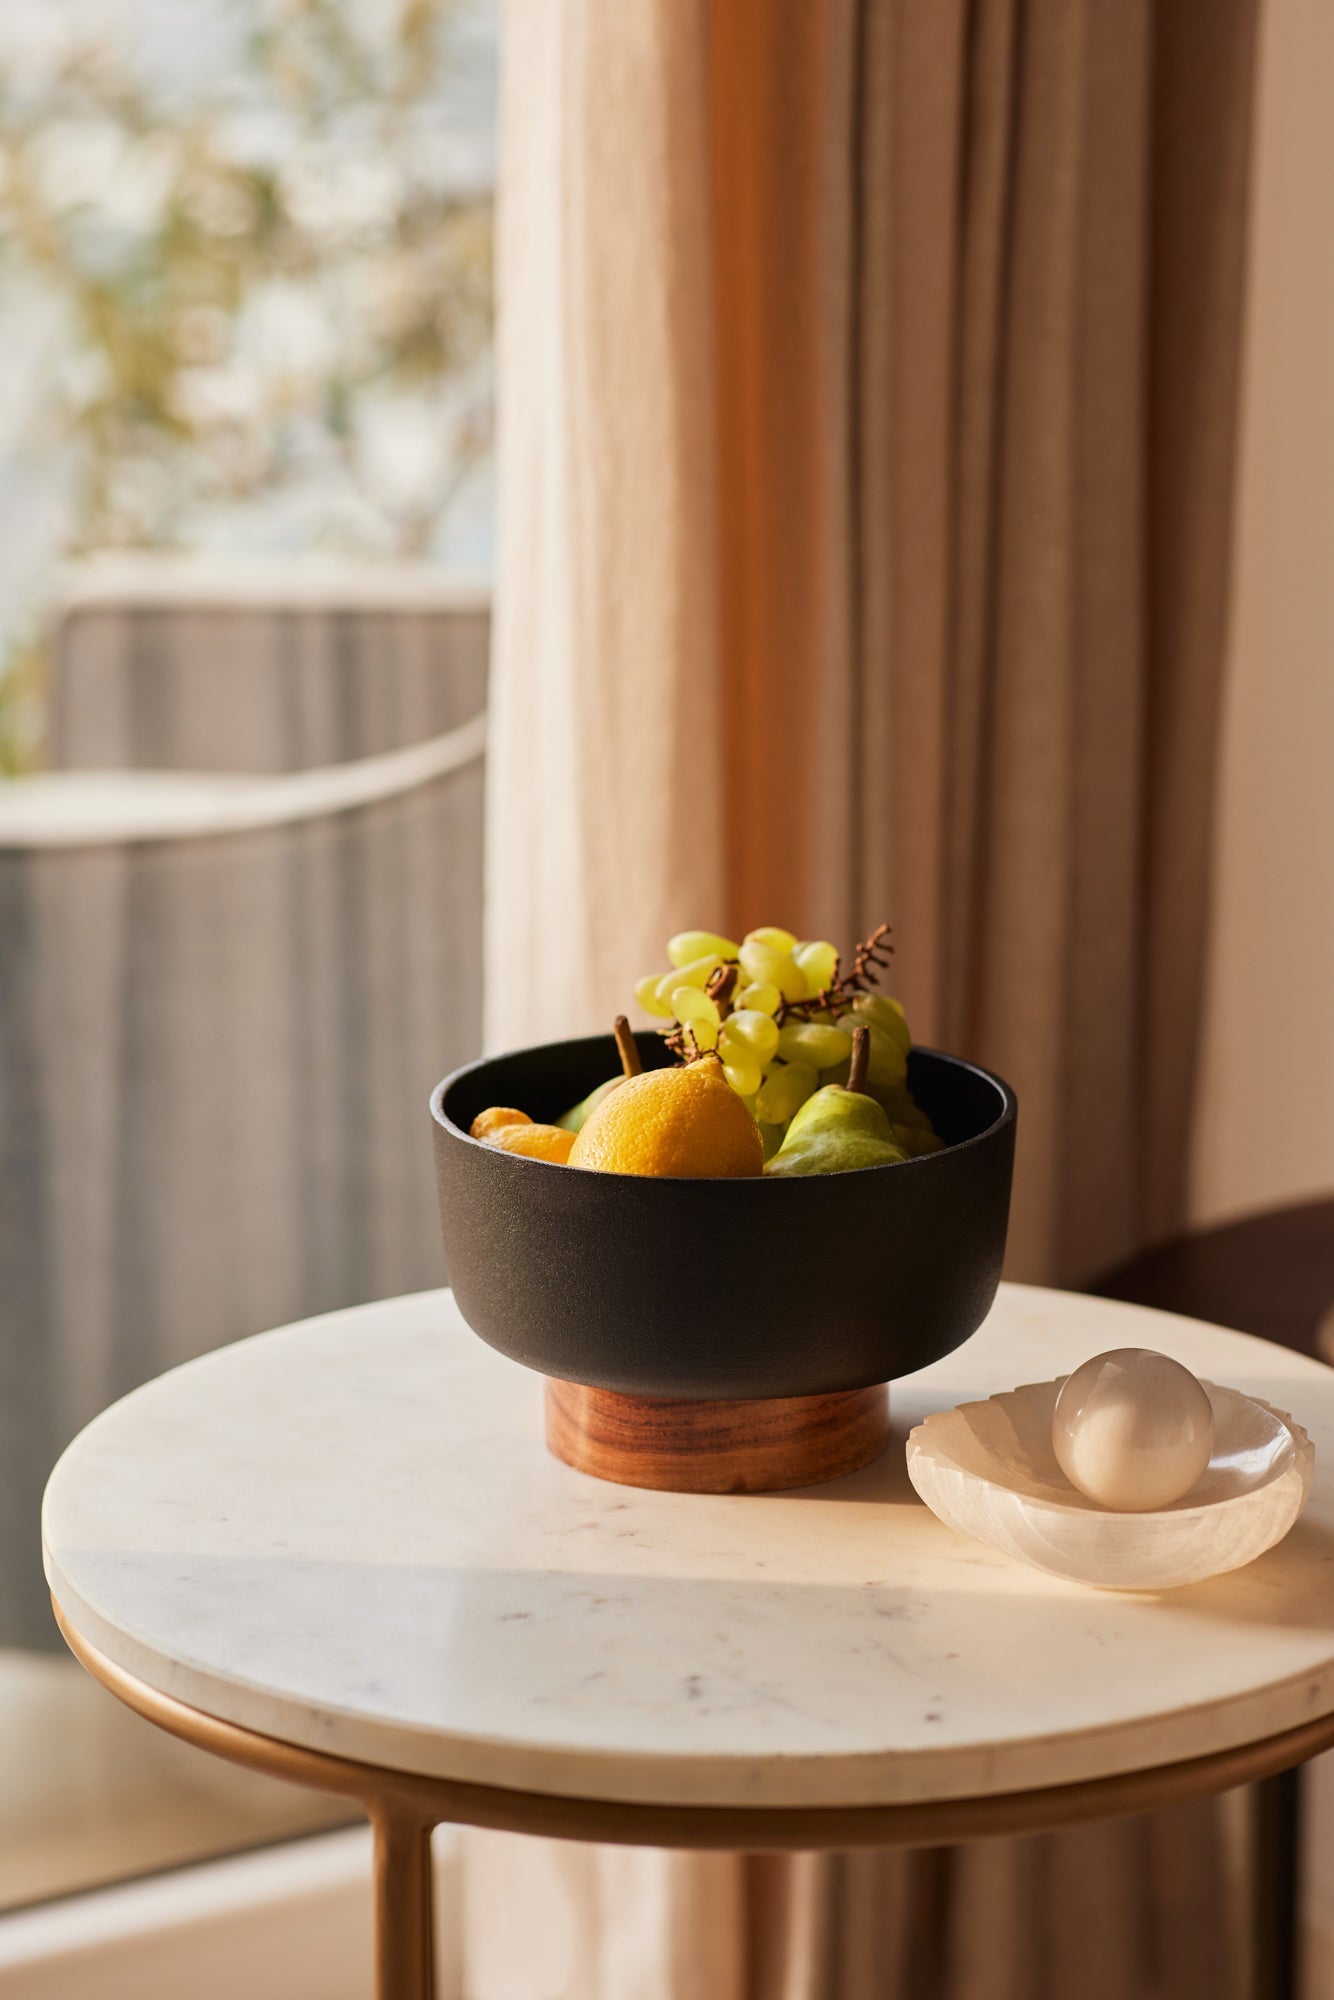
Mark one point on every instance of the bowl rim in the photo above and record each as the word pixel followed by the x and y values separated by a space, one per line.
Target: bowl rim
pixel 1005 1116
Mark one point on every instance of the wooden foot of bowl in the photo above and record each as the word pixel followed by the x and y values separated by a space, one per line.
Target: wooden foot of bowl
pixel 716 1447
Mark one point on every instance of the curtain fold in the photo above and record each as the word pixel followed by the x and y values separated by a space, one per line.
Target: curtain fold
pixel 868 373
pixel 868 379
pixel 1145 1909
pixel 605 815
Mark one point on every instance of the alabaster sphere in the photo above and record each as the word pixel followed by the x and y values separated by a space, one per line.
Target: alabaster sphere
pixel 1132 1430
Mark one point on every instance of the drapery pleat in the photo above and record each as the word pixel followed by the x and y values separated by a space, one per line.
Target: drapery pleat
pixel 606 819
pixel 1131 1910
pixel 868 376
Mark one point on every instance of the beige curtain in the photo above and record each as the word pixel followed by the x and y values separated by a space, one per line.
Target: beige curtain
pixel 868 377
pixel 1149 1909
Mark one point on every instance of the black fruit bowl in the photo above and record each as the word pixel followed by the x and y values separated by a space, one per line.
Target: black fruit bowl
pixel 721 1288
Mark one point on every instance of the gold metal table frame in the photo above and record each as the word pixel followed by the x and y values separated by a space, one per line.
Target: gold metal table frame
pixel 403 1809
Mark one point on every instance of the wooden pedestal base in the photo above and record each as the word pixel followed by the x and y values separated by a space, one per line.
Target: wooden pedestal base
pixel 716 1447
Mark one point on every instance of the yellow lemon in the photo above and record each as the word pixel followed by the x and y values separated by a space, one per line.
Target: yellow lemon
pixel 511 1131
pixel 535 1142
pixel 686 1121
pixel 487 1123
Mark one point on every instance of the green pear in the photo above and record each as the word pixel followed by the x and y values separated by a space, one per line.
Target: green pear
pixel 834 1132
pixel 885 1080
pixel 840 1128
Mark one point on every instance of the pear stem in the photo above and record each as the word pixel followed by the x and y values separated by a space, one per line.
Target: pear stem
pixel 627 1047
pixel 861 1056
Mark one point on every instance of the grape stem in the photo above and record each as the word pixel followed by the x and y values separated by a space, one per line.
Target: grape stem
pixel 861 1056
pixel 869 960
pixel 681 1041
pixel 627 1047
pixel 722 985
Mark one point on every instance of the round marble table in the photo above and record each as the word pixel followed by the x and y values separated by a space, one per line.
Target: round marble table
pixel 341 1552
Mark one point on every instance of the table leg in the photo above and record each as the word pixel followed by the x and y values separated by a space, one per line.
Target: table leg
pixel 1276 1886
pixel 404 1906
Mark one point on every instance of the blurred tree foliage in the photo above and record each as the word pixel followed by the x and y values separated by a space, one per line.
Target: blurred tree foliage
pixel 258 306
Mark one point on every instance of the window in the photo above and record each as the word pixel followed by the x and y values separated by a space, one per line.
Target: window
pixel 245 311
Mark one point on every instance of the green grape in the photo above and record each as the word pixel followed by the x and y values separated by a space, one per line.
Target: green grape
pixel 887 1066
pixel 733 1050
pixel 744 1074
pixel 879 1011
pixel 791 982
pixel 774 936
pixel 646 993
pixel 687 946
pixel 806 1041
pixel 763 962
pixel 784 1090
pixel 904 1109
pixel 818 961
pixel 912 1128
pixel 757 1031
pixel 915 1141
pixel 703 1033
pixel 697 973
pixel 690 1005
pixel 760 997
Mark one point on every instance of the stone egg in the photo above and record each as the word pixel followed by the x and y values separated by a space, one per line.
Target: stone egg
pixel 1132 1430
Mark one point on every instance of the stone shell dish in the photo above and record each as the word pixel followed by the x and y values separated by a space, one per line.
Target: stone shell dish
pixel 988 1469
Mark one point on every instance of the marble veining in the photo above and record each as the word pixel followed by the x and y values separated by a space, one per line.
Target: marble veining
pixel 349 1534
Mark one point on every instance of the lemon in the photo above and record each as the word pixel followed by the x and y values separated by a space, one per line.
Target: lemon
pixel 487 1123
pixel 534 1142
pixel 686 1122
pixel 511 1131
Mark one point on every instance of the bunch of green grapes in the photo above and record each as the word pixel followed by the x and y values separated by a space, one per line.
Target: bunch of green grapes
pixel 776 1011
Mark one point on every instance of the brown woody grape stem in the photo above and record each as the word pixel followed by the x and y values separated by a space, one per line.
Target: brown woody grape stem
pixel 627 1046
pixel 870 959
pixel 861 1056
pixel 721 987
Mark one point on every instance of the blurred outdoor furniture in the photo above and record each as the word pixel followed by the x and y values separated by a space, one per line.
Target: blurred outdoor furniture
pixel 228 988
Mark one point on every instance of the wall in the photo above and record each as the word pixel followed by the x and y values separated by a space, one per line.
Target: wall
pixel 1266 1131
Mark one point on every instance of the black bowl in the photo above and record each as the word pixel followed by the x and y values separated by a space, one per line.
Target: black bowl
pixel 721 1288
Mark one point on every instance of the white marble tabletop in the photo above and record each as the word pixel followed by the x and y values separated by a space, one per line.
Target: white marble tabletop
pixel 349 1534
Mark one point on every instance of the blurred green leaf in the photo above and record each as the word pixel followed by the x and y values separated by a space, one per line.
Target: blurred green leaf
pixel 250 286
